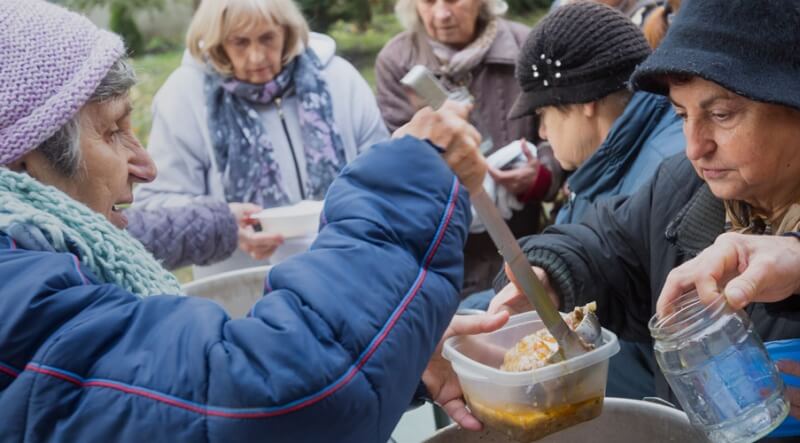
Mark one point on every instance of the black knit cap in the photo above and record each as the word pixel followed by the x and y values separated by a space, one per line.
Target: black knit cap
pixel 751 48
pixel 579 53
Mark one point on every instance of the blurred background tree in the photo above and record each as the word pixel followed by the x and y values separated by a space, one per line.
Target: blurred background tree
pixel 520 7
pixel 323 14
pixel 121 18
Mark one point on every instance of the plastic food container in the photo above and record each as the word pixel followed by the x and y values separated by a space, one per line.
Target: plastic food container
pixel 528 405
pixel 298 220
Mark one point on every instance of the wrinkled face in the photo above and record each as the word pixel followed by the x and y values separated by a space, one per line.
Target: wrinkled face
pixel 451 22
pixel 744 150
pixel 112 159
pixel 569 132
pixel 255 50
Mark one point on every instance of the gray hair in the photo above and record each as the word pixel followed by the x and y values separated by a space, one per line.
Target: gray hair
pixel 406 12
pixel 63 149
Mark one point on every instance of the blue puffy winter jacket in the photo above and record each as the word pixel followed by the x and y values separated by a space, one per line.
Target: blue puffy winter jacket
pixel 646 133
pixel 332 352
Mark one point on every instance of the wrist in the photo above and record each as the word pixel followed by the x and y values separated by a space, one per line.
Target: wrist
pixel 421 395
pixel 540 185
pixel 796 236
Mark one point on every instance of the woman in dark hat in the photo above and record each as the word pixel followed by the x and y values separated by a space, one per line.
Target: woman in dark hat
pixel 731 68
pixel 573 72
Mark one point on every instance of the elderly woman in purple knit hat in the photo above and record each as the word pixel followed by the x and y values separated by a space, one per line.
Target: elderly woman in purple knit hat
pixel 92 350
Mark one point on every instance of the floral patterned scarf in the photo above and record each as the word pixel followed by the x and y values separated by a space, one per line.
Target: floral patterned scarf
pixel 242 147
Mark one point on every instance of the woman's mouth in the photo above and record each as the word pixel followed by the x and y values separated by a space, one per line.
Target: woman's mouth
pixel 118 217
pixel 714 174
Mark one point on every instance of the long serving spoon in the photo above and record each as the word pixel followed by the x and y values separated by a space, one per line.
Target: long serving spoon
pixel 420 79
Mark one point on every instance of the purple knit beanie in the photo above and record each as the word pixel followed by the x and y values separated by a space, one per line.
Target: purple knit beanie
pixel 51 62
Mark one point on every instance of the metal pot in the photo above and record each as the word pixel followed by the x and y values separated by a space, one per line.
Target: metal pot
pixel 622 421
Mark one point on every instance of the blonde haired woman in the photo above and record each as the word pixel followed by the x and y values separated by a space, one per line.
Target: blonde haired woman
pixel 467 44
pixel 260 111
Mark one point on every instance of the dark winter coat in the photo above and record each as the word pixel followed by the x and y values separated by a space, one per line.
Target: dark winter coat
pixel 647 132
pixel 624 248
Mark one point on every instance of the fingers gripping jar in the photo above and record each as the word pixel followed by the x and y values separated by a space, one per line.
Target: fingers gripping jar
pixel 719 370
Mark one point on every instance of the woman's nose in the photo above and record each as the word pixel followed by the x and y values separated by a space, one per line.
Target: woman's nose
pixel 441 11
pixel 141 166
pixel 699 143
pixel 542 130
pixel 255 55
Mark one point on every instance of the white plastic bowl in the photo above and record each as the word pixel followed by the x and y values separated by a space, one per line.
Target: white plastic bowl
pixel 237 291
pixel 531 404
pixel 298 220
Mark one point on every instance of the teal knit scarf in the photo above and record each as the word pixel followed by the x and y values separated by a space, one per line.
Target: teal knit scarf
pixel 109 252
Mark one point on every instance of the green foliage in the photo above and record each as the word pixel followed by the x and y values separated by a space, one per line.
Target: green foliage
pixel 318 13
pixel 158 45
pixel 121 18
pixel 121 22
pixel 322 14
pixel 151 73
pixel 351 42
pixel 133 4
pixel 517 7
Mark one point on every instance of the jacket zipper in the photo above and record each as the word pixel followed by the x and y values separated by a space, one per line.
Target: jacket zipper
pixel 291 148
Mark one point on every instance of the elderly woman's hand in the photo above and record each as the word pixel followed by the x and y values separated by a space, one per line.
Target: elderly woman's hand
pixel 518 180
pixel 449 129
pixel 439 378
pixel 743 268
pixel 512 300
pixel 259 245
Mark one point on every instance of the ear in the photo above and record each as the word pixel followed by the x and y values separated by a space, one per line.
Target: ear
pixel 589 110
pixel 31 163
pixel 18 165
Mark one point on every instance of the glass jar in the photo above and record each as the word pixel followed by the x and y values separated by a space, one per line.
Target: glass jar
pixel 719 370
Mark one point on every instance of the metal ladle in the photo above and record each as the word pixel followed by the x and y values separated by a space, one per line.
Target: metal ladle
pixel 569 345
pixel 420 79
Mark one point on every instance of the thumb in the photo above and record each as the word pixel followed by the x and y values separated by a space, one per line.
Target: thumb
pixel 249 209
pixel 497 174
pixel 478 324
pixel 461 109
pixel 741 290
pixel 491 322
pixel 526 150
pixel 511 277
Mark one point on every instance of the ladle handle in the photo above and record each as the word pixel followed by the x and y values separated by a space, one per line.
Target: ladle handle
pixel 426 86
pixel 529 283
